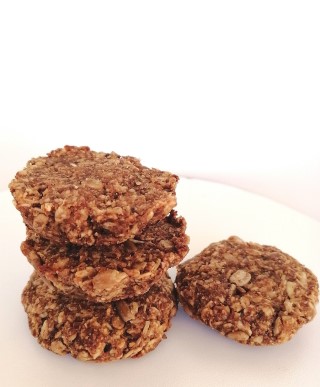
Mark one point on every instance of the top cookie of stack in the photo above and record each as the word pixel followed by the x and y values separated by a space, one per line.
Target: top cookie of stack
pixel 91 198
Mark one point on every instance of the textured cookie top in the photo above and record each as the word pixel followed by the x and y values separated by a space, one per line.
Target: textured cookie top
pixel 98 331
pixel 108 273
pixel 251 293
pixel 84 197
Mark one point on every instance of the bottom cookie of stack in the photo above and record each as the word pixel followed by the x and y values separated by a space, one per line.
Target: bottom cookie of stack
pixel 99 332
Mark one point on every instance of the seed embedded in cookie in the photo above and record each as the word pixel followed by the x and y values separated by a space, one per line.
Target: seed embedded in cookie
pixel 76 195
pixel 109 273
pixel 251 293
pixel 99 332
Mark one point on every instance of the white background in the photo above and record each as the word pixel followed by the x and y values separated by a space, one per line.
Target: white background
pixel 222 90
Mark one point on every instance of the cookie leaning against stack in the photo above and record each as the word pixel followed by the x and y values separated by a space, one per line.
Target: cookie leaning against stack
pixel 98 231
pixel 252 293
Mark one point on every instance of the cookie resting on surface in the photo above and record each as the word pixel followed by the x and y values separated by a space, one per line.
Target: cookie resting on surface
pixel 109 273
pixel 99 332
pixel 252 293
pixel 84 197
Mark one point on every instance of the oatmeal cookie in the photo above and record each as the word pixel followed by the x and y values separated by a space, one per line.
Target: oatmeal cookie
pixel 251 293
pixel 109 273
pixel 84 197
pixel 99 331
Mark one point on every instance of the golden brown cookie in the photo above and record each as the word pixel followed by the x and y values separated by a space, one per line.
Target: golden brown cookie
pixel 251 293
pixel 84 197
pixel 109 273
pixel 99 331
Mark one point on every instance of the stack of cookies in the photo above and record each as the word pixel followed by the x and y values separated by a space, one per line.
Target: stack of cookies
pixel 101 235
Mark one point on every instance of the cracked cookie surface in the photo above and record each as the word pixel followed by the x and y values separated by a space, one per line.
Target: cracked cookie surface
pixel 84 197
pixel 109 273
pixel 252 293
pixel 99 332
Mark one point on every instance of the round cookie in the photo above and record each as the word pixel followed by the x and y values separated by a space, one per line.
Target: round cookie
pixel 109 273
pixel 251 293
pixel 84 197
pixel 99 331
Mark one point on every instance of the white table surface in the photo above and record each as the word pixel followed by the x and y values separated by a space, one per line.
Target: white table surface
pixel 193 354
